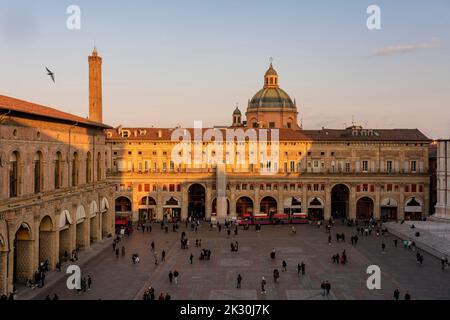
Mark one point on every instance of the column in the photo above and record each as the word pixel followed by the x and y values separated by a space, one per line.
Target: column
pixel 327 213
pixel 377 204
pixel 401 204
pixel 352 202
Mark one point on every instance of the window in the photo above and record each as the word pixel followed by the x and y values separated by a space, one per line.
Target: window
pixel 238 187
pixel 372 188
pixel 171 187
pixel 389 166
pixel 139 187
pixel 365 188
pixel 14 175
pixel 407 188
pixel 389 187
pixel 99 167
pixel 88 168
pixel 244 186
pixel 347 167
pixel 289 125
pixel 271 124
pixel 292 166
pixel 172 166
pixel 75 170
pixel 414 188
pixel 316 187
pixel 154 188
pixel 147 187
pixel 285 167
pixel 365 166
pixel 38 176
pixel 413 166
pixel 421 188
pixel 58 176
pixel 178 187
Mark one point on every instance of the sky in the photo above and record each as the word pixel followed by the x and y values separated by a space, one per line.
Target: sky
pixel 169 63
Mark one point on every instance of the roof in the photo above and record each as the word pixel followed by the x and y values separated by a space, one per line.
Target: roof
pixel 165 134
pixel 271 97
pixel 21 106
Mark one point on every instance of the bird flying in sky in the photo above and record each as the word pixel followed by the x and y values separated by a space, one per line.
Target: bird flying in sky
pixel 51 74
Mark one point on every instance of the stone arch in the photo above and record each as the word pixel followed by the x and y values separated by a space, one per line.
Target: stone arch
pixel 292 205
pixel 65 233
pixel 47 236
pixel 389 209
pixel 23 253
pixel 340 201
pixel 244 207
pixel 81 227
pixel 364 208
pixel 316 208
pixel 268 205
pixel 123 204
pixel 197 200
pixel 147 209
pixel 413 208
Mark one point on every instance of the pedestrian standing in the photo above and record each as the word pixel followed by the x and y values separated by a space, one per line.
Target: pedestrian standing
pixel 153 245
pixel 396 294
pixel 395 243
pixel 191 258
pixel 383 246
pixel 284 265
pixel 117 252
pixel 263 285
pixel 89 282
pixel 322 289
pixel 407 296
pixel 329 240
pixel 327 287
pixel 175 276
pixel 113 245
pixel 303 268
pixel 239 280
pixel 170 277
pixel 163 256
pixel 299 269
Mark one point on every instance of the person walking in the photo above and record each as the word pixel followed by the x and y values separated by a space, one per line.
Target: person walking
pixel 329 240
pixel 396 294
pixel 284 265
pixel 123 251
pixel 299 268
pixel 263 285
pixel 170 277
pixel 303 268
pixel 163 256
pixel 117 252
pixel 239 281
pixel 153 245
pixel 383 247
pixel 395 243
pixel 191 258
pixel 113 245
pixel 327 287
pixel 175 276
pixel 89 282
pixel 322 289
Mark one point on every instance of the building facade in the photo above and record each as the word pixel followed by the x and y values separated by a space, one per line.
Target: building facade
pixel 354 172
pixel 54 195
pixel 443 180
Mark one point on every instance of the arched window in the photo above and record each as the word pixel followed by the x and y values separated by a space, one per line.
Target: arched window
pixel 75 170
pixel 58 176
pixel 99 167
pixel 88 168
pixel 14 174
pixel 38 173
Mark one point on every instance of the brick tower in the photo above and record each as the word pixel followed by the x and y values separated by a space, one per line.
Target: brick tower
pixel 95 87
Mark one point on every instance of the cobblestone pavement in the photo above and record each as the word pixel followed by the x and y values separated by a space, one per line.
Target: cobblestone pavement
pixel 117 278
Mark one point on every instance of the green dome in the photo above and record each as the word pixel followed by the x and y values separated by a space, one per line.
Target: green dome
pixel 271 71
pixel 272 97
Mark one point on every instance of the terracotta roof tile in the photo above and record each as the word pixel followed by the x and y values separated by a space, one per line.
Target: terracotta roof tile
pixel 13 104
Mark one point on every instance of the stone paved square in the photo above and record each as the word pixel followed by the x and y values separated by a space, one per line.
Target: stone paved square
pixel 117 278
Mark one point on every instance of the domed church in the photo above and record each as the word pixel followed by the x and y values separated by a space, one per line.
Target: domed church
pixel 271 107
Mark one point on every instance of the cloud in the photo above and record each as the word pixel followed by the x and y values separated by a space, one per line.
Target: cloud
pixel 407 48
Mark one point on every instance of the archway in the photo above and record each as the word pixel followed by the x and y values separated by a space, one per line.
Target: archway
pixel 364 208
pixel 244 207
pixel 65 239
pixel 81 231
pixel 23 254
pixel 268 206
pixel 147 209
pixel 196 201
pixel 46 241
pixel 340 195
pixel 172 210
pixel 292 205
pixel 413 209
pixel 315 209
pixel 214 207
pixel 389 209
